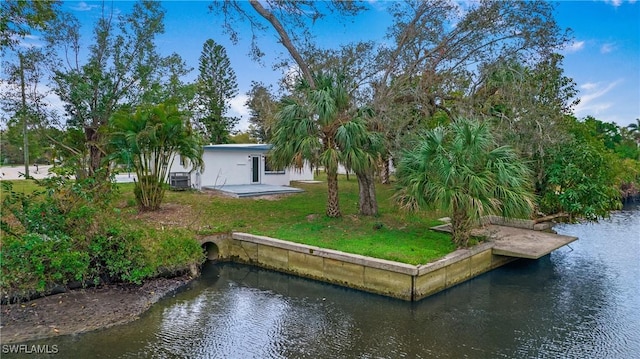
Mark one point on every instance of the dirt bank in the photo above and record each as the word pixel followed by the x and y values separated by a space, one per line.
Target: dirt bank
pixel 82 310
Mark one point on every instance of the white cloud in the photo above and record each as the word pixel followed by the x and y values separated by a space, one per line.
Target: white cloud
pixel 607 48
pixel 616 3
pixel 574 47
pixel 83 6
pixel 51 100
pixel 594 102
pixel 27 41
pixel 238 108
pixel 378 5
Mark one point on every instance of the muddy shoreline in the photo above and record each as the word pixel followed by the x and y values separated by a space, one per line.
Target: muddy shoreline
pixel 82 310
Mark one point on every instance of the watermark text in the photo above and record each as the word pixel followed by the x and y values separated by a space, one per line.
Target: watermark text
pixel 29 349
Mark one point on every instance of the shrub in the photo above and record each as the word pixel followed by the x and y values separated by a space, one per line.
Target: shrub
pixel 36 262
pixel 67 232
pixel 118 255
pixel 173 250
pixel 133 254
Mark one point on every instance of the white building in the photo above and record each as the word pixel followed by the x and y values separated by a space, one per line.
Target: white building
pixel 239 164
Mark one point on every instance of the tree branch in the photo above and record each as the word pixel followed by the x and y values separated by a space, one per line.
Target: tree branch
pixel 285 40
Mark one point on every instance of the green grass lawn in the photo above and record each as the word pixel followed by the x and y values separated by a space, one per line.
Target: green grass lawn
pixel 394 234
pixel 22 186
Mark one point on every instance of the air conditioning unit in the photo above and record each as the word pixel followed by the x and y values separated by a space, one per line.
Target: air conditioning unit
pixel 179 181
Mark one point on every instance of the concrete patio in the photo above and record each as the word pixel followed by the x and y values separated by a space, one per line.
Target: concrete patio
pixel 254 190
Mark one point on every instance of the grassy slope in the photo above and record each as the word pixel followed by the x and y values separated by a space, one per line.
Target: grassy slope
pixel 394 235
pixel 403 237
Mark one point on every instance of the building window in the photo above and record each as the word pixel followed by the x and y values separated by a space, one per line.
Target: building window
pixel 270 169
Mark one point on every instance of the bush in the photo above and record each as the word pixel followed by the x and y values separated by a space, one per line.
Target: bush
pixel 68 233
pixel 34 263
pixel 580 181
pixel 60 207
pixel 118 255
pixel 132 255
pixel 173 249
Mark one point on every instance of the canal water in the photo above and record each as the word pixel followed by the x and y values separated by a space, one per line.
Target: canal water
pixel 581 301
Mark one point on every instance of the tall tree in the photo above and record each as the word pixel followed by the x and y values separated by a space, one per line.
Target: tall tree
pixel 150 139
pixel 262 112
pixel 216 87
pixel 460 170
pixel 527 105
pixel 21 17
pixel 172 89
pixel 437 47
pixel 121 67
pixel 23 100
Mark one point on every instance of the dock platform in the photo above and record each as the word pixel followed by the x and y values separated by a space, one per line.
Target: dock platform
pixel 524 243
pixel 518 242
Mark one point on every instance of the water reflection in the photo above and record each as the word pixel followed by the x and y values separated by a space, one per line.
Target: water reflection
pixel 579 302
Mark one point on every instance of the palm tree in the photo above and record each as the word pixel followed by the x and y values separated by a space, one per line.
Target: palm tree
pixel 322 127
pixel 458 169
pixel 634 129
pixel 150 139
pixel 361 150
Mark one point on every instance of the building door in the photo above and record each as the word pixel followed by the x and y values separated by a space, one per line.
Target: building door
pixel 255 169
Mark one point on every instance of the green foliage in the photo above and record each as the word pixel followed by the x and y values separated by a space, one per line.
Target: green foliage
pixel 13 142
pixel 46 233
pixel 580 181
pixel 586 176
pixel 37 262
pixel 173 249
pixel 216 86
pixel 242 137
pixel 459 170
pixel 20 18
pixel 150 139
pixel 60 207
pixel 262 107
pixel 64 231
pixel 323 127
pixel 133 253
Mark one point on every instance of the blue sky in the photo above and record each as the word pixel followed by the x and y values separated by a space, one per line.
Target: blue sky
pixel 604 58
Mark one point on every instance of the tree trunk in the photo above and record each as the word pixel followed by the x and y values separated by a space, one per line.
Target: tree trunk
pixel 384 170
pixel 368 204
pixel 149 193
pixel 460 227
pixel 333 204
pixel 96 155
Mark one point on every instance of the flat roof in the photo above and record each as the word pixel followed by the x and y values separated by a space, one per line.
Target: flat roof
pixel 239 147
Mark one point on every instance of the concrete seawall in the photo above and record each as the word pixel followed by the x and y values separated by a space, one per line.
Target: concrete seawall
pixel 393 279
